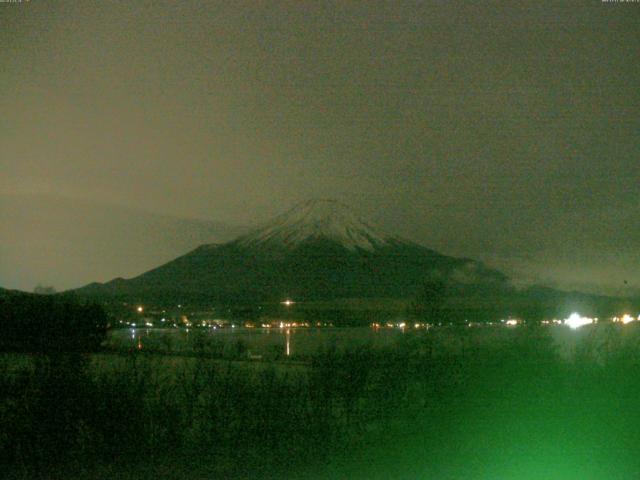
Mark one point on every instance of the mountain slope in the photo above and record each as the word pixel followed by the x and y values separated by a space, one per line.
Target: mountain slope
pixel 318 250
pixel 320 253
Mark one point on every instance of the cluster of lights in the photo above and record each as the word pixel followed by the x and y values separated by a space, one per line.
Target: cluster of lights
pixel 285 325
pixel 401 325
pixel 280 324
pixel 575 320
pixel 185 321
pixel 207 323
pixel 511 322
pixel 626 318
pixel 293 324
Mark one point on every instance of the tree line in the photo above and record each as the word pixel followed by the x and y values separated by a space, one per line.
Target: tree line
pixel 50 323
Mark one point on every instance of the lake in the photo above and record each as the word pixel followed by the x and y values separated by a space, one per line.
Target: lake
pixel 257 341
pixel 300 342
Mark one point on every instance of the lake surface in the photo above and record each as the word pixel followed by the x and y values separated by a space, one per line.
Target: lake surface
pixel 291 342
pixel 256 341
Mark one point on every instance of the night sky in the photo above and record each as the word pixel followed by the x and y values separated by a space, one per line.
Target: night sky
pixel 506 132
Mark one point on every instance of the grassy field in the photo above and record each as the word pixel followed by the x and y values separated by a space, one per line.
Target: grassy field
pixel 509 409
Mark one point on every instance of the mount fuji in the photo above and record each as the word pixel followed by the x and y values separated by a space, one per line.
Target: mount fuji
pixel 314 220
pixel 318 250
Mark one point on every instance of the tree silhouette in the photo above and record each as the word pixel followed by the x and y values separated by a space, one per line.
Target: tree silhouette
pixel 50 323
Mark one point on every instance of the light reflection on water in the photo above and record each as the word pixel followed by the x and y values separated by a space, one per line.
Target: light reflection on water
pixel 288 340
pixel 258 341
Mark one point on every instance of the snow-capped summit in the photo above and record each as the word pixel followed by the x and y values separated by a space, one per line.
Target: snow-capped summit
pixel 317 219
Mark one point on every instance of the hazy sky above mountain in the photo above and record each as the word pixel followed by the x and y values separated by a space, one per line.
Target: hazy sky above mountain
pixel 506 131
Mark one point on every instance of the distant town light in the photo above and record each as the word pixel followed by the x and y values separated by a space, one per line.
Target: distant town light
pixel 575 320
pixel 626 318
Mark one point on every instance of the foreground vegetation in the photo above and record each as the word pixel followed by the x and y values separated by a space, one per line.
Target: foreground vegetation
pixel 516 410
